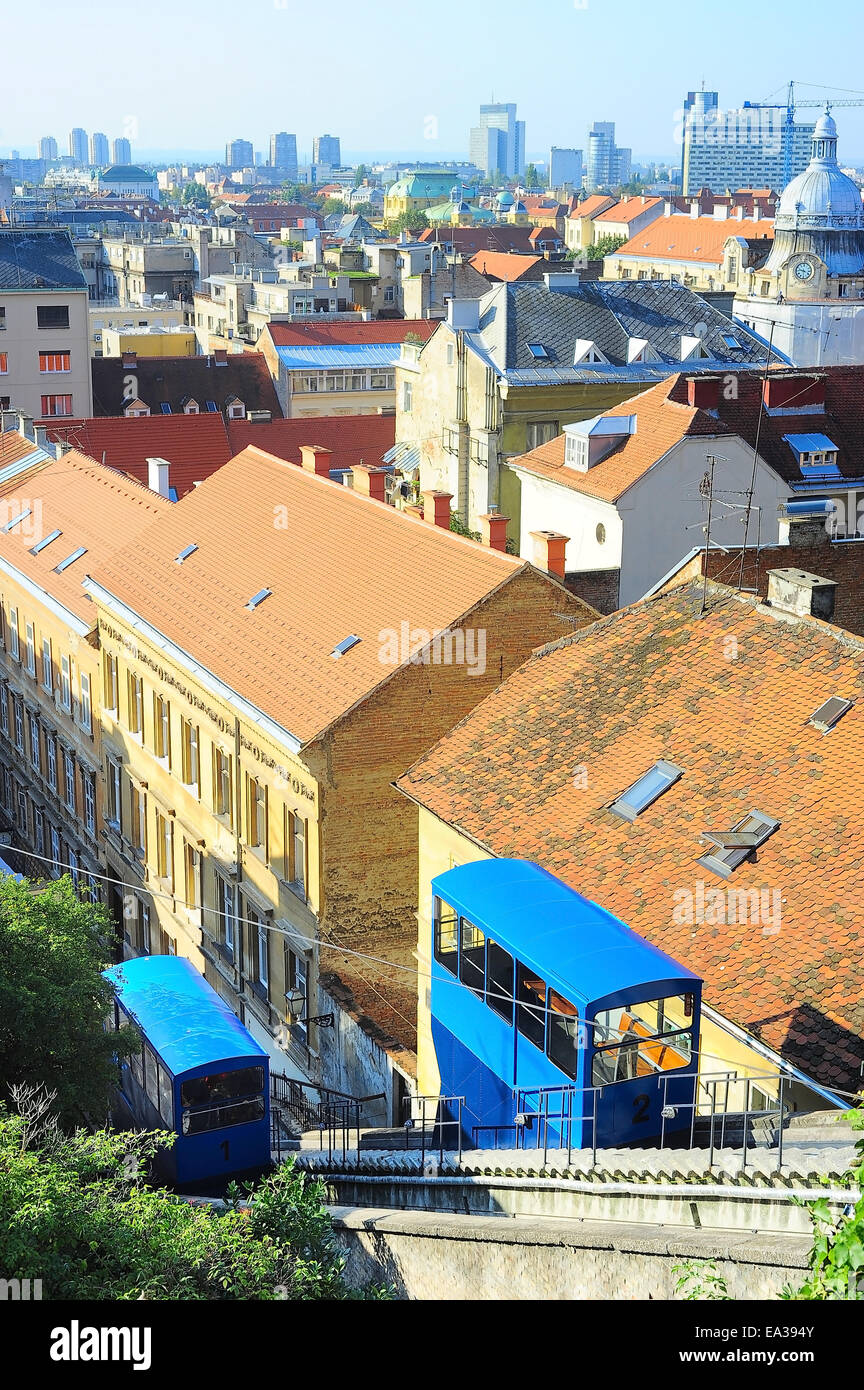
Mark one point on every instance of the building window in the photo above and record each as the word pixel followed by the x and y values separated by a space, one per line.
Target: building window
pixel 88 781
pixel 256 813
pixel 136 705
pixel 139 822
pixel 86 706
pixel 227 914
pixel 30 654
pixel 54 362
pixel 56 856
pixel 65 683
pixel 73 865
pixel 222 785
pixel 56 405
pixel 297 979
pixel 162 728
pixel 14 649
pixel 51 760
pixel 35 753
pixel 4 363
pixel 47 666
pixel 192 876
pixel 7 789
pixel 69 779
pixel 164 849
pixel 39 829
pixel 144 925
pixel 19 722
pixel 23 812
pixel 191 774
pixel 52 316
pixel 113 796
pixel 539 432
pixel 4 710
pixel 295 840
pixel 407 396
pixel 109 680
pixel 261 948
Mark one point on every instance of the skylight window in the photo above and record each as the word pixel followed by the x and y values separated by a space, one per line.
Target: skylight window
pixel 731 847
pixel 344 646
pixel 212 407
pixel 258 598
pixel 70 559
pixel 537 350
pixel 165 407
pixel 732 342
pixel 827 715
pixel 652 784
pixel 22 516
pixel 185 553
pixel 45 541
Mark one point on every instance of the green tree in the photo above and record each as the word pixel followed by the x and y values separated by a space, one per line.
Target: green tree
pixel 196 195
pixel 76 1212
pixel 531 181
pixel 604 246
pixel 360 173
pixel 415 221
pixel 837 1256
pixel 295 192
pixel 331 205
pixel 53 998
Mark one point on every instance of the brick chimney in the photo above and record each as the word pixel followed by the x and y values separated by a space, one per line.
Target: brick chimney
pixel 703 392
pixel 369 481
pixel 549 548
pixel 316 459
pixel 809 528
pixel 807 595
pixel 493 529
pixel 129 359
pixel 436 507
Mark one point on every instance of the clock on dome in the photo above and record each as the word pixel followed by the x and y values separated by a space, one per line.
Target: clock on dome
pixel 804 270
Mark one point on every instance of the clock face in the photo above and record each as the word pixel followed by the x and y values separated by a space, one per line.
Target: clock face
pixel 803 270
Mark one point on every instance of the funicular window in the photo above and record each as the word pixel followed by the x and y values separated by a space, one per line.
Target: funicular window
pixel 499 980
pixel 445 935
pixel 562 1046
pixel 472 958
pixel 222 1099
pixel 530 1005
pixel 642 1039
pixel 151 1076
pixel 166 1098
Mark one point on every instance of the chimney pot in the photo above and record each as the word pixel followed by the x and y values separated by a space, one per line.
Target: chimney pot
pixel 157 476
pixel 797 591
pixel 436 507
pixel 493 529
pixel 316 459
pixel 549 551
pixel 369 481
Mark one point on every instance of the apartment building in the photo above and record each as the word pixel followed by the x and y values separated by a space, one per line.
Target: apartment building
pixel 339 368
pixel 44 348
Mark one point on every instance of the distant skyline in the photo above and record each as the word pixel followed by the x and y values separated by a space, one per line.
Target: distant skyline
pixel 565 67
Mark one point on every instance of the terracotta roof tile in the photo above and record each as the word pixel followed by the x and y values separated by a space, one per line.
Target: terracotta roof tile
pixel 627 210
pixel 194 445
pixel 727 697
pixel 352 439
pixel 680 238
pixel 503 265
pixel 340 333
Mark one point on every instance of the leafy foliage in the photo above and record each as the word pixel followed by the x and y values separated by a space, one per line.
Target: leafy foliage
pixel 699 1281
pixel 531 180
pixel 331 205
pixel 53 999
pixel 76 1213
pixel 412 221
pixel 196 195
pixel 604 246
pixel 837 1257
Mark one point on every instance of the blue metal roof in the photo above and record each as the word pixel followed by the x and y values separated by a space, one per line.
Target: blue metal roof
pixel 810 443
pixel 577 946
pixel 325 357
pixel 182 1016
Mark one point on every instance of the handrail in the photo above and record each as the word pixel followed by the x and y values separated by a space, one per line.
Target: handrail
pixel 334 1112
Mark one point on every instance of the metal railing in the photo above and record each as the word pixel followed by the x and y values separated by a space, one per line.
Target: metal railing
pixel 436 1124
pixel 333 1114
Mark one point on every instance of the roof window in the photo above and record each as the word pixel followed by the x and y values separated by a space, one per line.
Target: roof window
pixel 45 541
pixel 21 516
pixel 537 350
pixel 185 553
pixel 827 715
pixel 731 847
pixel 258 598
pixel 70 559
pixel 344 646
pixel 652 784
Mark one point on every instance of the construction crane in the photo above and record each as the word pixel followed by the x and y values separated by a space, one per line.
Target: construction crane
pixel 856 99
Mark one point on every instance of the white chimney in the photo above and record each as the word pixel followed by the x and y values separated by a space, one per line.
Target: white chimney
pixel 157 476
pixel 464 314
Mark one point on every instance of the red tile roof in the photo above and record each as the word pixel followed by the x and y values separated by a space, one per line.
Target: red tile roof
pixel 628 210
pixel 701 239
pixel 194 445
pixel 338 333
pixel 591 207
pixel 352 439
pixel 657 681
pixel 503 265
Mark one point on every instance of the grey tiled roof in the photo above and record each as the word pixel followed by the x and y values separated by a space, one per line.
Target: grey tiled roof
pixel 607 313
pixel 39 260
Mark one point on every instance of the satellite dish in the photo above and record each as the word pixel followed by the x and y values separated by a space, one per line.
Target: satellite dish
pixel 700 329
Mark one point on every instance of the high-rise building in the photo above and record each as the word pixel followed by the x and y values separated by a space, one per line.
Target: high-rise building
pixel 498 142
pixel 98 148
pixel 565 167
pixel 744 147
pixel 607 164
pixel 283 153
pixel 326 150
pixel 121 151
pixel 47 147
pixel 239 154
pixel 78 145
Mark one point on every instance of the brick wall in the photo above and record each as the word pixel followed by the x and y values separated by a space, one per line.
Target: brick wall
pixel 599 588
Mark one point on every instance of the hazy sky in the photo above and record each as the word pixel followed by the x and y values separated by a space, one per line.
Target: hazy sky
pixel 388 75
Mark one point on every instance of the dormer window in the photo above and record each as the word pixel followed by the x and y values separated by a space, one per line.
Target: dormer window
pixel 816 454
pixel 576 451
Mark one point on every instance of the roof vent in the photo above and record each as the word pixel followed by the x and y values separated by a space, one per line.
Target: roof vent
pixel 829 714
pixel 344 646
pixel 258 598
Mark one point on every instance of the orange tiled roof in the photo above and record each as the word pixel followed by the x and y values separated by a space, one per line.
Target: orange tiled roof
pixel 590 207
pixel 680 238
pixel 337 564
pixel 660 424
pixel 657 681
pixel 14 447
pixel 92 506
pixel 628 210
pixel 503 265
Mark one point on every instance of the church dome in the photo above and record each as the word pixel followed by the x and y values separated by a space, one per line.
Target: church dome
pixel 823 197
pixel 506 199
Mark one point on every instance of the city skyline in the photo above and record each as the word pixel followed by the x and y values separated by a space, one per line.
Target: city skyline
pixel 427 113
